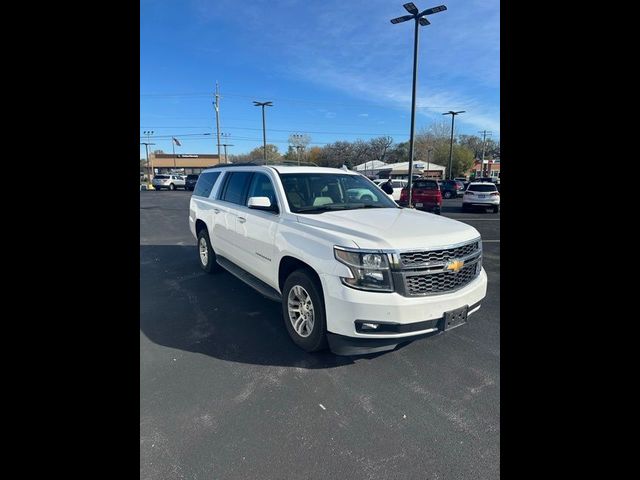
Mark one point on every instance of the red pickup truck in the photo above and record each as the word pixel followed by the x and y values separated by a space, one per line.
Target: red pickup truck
pixel 426 195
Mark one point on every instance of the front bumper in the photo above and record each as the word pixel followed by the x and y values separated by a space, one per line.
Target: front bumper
pixel 345 306
pixel 344 345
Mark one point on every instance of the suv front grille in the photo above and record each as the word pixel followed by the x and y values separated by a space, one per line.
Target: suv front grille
pixel 440 282
pixel 424 272
pixel 418 259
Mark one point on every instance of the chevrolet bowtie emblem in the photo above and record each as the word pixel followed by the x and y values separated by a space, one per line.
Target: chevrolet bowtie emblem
pixel 454 265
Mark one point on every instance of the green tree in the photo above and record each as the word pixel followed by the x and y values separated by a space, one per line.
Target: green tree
pixel 257 155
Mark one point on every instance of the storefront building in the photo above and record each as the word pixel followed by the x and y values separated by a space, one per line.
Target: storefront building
pixel 184 163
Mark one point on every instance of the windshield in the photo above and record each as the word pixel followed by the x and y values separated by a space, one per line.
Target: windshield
pixel 320 192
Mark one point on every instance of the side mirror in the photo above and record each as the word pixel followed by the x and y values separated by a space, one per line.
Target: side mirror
pixel 261 203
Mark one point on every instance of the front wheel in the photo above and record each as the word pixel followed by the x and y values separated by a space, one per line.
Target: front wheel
pixel 465 207
pixel 303 311
pixel 172 187
pixel 447 194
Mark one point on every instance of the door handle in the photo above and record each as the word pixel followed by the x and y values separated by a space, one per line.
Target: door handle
pixel 216 210
pixel 242 220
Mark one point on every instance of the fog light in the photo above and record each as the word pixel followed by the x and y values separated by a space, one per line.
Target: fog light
pixel 369 326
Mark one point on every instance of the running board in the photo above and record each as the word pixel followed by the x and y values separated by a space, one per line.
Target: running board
pixel 246 277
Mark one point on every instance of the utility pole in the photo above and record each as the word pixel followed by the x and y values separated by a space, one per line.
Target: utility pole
pixel 484 143
pixel 225 145
pixel 217 107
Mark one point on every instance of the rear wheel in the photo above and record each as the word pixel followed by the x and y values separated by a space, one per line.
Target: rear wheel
pixel 303 311
pixel 465 207
pixel 206 254
pixel 496 209
pixel 172 187
pixel 447 194
pixel 436 210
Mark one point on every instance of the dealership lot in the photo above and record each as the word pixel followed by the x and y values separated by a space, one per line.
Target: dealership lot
pixel 225 394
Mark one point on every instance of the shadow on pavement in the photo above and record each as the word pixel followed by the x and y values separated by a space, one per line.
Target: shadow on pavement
pixel 185 308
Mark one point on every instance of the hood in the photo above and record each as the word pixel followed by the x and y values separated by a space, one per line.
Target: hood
pixel 392 228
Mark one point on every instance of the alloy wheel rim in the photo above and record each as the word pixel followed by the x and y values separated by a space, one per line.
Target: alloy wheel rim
pixel 204 251
pixel 301 311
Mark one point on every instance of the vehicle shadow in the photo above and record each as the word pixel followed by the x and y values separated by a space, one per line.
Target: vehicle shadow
pixel 217 315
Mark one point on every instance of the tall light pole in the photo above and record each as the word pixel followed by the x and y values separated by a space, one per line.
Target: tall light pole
pixel 484 143
pixel 148 133
pixel 420 20
pixel 297 139
pixel 264 130
pixel 453 116
pixel 225 137
pixel 429 150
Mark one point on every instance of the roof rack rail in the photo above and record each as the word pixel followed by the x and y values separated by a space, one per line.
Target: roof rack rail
pixel 294 163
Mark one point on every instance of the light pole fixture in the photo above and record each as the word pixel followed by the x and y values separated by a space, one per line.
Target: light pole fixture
pixel 420 19
pixel 453 116
pixel 264 130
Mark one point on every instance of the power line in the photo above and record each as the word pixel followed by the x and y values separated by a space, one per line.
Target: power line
pixel 288 100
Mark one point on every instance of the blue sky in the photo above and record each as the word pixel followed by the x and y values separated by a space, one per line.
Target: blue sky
pixel 335 70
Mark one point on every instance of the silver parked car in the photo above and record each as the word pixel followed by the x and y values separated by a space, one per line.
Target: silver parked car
pixel 170 182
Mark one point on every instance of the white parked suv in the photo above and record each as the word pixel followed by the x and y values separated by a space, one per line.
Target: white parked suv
pixel 170 182
pixel 481 194
pixel 353 271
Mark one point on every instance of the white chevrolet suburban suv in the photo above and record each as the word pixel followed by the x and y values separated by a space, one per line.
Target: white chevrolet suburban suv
pixel 353 272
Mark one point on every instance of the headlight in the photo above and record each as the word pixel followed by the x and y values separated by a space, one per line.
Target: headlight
pixel 370 270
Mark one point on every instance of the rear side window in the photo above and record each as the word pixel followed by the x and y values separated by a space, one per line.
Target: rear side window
pixel 205 184
pixel 488 187
pixel 236 187
pixel 161 177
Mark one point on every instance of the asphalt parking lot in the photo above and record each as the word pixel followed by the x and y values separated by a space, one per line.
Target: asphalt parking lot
pixel 225 394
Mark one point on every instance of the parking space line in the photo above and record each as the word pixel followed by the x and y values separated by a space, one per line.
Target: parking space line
pixel 490 241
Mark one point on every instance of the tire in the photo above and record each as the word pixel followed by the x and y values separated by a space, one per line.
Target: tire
pixel 301 284
pixel 211 266
pixel 496 209
pixel 447 194
pixel 172 187
pixel 437 210
pixel 465 207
